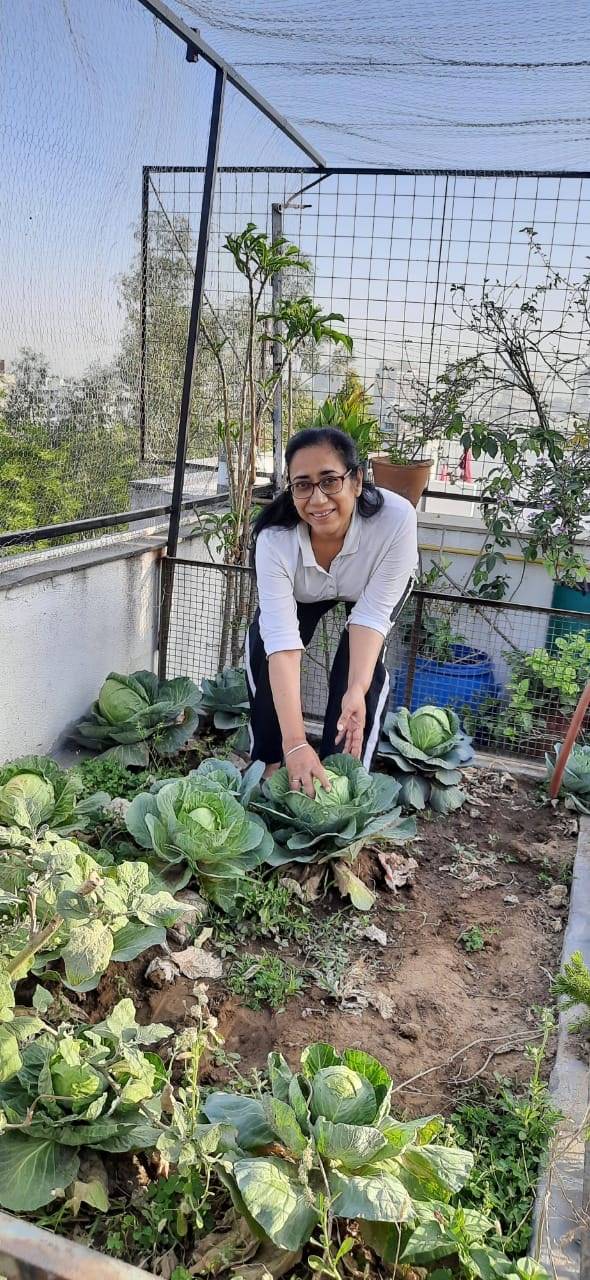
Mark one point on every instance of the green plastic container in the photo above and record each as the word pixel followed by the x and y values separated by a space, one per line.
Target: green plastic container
pixel 576 602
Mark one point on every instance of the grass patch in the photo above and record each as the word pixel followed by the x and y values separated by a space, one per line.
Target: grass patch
pixel 509 1131
pixel 264 979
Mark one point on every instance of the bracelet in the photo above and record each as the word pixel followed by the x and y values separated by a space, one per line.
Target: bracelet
pixel 298 748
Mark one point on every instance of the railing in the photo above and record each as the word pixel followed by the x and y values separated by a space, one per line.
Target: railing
pixel 446 650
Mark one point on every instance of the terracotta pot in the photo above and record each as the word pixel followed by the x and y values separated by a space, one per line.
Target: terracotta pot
pixel 410 479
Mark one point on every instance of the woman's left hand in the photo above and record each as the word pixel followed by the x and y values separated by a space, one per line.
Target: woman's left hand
pixel 351 724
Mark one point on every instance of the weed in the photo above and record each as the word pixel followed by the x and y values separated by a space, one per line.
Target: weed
pixel 472 939
pixel 267 909
pixel 509 1130
pixel 264 979
pixel 115 778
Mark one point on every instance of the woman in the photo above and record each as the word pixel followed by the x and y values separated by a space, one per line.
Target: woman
pixel 329 536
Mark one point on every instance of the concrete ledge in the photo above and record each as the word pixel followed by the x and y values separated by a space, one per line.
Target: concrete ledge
pixel 559 1205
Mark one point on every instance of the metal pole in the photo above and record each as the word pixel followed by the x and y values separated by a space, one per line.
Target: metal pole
pixel 413 651
pixel 145 196
pixel 195 44
pixel 189 364
pixel 277 408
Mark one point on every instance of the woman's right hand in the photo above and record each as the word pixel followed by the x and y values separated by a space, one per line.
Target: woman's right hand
pixel 303 767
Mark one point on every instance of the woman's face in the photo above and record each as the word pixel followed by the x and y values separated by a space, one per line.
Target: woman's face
pixel 327 514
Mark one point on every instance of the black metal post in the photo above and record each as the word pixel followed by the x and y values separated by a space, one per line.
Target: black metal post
pixel 277 352
pixel 413 650
pixel 189 364
pixel 145 196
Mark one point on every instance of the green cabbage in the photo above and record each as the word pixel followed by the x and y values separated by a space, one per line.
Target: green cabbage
pixel 119 700
pixel 342 1096
pixel 132 711
pixel 429 727
pixel 34 791
pixel 75 1084
pixel 427 751
pixel 338 794
pixel 204 826
pixel 335 824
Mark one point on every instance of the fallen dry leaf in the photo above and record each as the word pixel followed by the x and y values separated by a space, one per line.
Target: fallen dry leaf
pixel 399 871
pixel 193 962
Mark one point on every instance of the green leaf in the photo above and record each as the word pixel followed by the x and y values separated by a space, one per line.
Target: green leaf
pixel 282 1119
pixel 277 1201
pixel 86 955
pixel 33 1170
pixel 10 1059
pixel 352 1144
pixel 244 1114
pixel 280 1076
pixel 376 1198
pixel 442 1168
pixel 42 999
pixel 317 1056
pixel 134 938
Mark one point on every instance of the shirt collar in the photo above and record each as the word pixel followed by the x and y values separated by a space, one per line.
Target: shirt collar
pixel 350 545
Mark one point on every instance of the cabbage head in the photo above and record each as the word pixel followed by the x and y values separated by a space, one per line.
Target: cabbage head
pixel 335 824
pixel 575 785
pixel 342 1096
pixel 138 713
pixel 427 750
pixel 329 1125
pixel 204 827
pixel 35 792
pixel 74 1089
pixel 338 794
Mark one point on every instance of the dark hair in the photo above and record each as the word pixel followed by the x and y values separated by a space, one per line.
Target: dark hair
pixel 282 512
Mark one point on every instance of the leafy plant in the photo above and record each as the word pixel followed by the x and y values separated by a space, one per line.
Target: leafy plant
pixel 58 903
pixel 541 684
pixel 107 774
pixel 199 824
pixel 137 714
pixel 225 697
pixel 572 986
pixel 438 412
pixel 576 776
pixel 509 1130
pixel 334 826
pixel 267 909
pixel 428 750
pixel 35 792
pixel 473 938
pixel 263 979
pixel 75 1089
pixel 321 1145
pixel 224 776
pixel 349 414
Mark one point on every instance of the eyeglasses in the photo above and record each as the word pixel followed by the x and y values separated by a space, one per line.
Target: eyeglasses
pixel 330 485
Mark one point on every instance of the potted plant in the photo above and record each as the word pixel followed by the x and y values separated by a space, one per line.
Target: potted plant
pixel 414 436
pixel 348 410
pixel 539 699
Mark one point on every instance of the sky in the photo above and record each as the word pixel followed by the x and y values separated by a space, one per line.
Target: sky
pixel 91 90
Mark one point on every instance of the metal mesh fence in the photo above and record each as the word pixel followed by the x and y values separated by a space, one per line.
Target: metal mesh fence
pixel 514 674
pixel 412 262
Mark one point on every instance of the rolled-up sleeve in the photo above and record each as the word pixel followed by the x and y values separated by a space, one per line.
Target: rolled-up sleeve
pixel 279 625
pixel 389 579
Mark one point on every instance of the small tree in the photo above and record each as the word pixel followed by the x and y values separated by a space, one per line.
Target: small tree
pixel 295 324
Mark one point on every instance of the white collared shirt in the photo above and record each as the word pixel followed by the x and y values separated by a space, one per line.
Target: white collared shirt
pixel 378 557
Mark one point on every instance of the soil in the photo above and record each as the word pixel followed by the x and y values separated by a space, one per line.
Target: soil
pixel 435 1013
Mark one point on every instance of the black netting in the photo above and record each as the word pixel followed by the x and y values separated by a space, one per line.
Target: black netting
pixel 513 674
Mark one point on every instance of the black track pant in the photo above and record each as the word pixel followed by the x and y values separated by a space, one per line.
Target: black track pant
pixel 265 732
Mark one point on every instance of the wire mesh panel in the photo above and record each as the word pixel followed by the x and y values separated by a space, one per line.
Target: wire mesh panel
pixel 513 674
pixel 433 274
